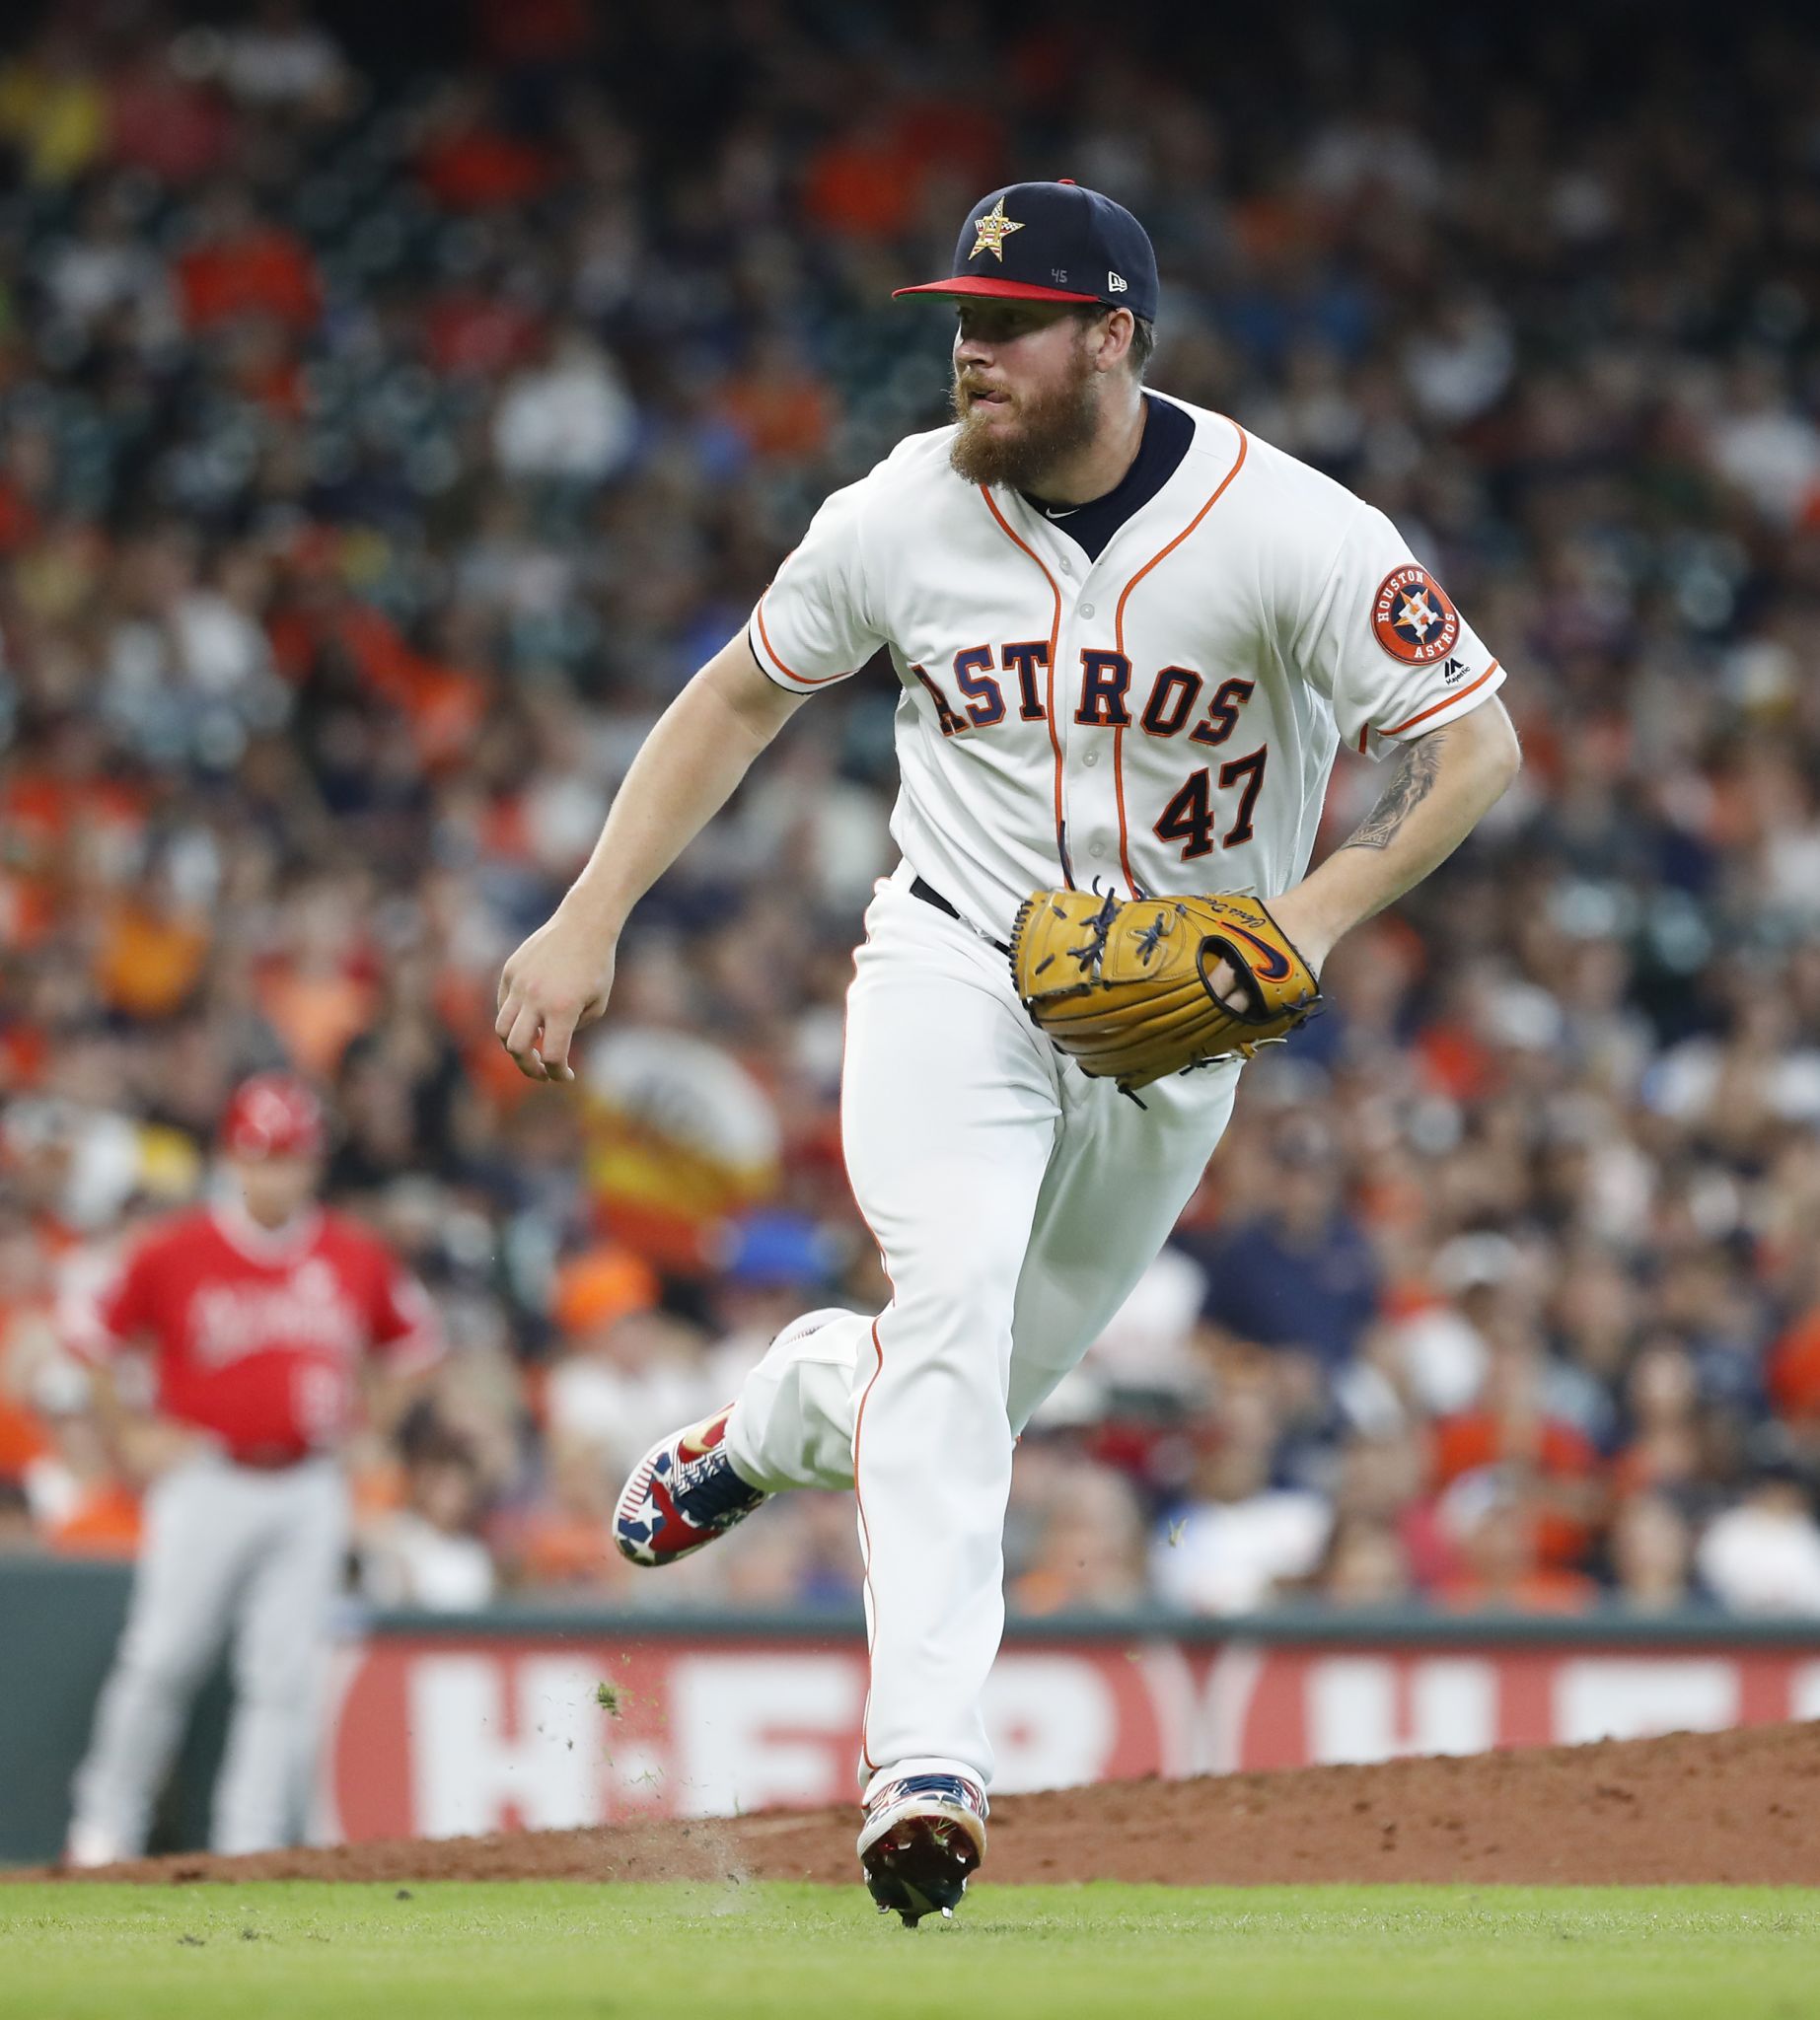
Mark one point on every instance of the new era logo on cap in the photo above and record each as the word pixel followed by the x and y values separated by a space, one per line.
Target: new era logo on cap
pixel 1022 242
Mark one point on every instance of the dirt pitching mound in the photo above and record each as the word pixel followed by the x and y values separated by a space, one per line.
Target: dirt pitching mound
pixel 1741 1806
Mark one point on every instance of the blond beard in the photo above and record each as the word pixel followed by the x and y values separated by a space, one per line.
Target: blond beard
pixel 1050 428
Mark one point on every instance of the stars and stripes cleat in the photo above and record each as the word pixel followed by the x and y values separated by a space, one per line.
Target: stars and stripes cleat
pixel 923 1835
pixel 681 1495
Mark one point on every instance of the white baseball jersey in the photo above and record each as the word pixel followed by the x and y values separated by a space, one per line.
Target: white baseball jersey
pixel 1163 718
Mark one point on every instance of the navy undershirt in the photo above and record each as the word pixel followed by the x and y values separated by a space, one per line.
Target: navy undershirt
pixel 1168 430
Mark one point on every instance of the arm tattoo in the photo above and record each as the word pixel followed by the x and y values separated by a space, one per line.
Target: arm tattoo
pixel 1409 784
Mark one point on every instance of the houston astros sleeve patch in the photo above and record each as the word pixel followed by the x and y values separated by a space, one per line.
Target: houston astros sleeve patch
pixel 1412 618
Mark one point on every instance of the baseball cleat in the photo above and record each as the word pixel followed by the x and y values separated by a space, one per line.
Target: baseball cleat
pixel 92 1845
pixel 682 1493
pixel 923 1837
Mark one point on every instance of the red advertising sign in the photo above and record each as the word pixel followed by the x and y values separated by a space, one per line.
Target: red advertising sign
pixel 444 1735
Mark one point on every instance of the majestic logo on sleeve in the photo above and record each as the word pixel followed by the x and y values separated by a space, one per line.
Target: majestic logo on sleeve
pixel 1412 618
pixel 994 229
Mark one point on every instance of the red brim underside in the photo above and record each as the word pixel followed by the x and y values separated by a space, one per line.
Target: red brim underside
pixel 997 290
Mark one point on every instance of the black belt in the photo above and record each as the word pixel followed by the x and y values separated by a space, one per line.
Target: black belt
pixel 930 895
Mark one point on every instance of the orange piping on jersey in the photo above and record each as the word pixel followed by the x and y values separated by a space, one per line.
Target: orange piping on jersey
pixel 1054 634
pixel 802 680
pixel 1447 701
pixel 1362 734
pixel 1124 848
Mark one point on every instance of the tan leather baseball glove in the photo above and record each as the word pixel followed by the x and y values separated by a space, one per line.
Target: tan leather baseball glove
pixel 1125 985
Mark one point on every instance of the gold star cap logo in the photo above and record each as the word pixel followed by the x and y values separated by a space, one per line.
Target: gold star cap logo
pixel 994 229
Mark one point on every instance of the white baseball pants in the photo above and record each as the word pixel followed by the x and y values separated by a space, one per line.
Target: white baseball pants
pixel 1015 1203
pixel 226 1546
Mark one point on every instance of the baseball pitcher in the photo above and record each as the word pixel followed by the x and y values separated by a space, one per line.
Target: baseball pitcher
pixel 1128 639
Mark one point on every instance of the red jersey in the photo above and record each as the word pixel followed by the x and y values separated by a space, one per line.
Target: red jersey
pixel 256 1336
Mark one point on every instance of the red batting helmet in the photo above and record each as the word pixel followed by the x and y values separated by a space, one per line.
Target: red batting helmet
pixel 272 1114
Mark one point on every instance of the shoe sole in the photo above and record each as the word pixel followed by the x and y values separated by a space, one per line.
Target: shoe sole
pixel 634 1495
pixel 921 1862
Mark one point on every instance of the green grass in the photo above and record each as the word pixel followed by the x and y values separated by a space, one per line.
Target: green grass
pixel 553 1950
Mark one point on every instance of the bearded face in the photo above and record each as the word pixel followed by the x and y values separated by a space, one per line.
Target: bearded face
pixel 1025 394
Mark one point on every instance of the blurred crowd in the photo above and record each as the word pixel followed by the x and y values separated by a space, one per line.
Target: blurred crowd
pixel 383 444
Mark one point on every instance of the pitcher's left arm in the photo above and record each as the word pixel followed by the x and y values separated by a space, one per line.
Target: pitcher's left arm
pixel 1440 788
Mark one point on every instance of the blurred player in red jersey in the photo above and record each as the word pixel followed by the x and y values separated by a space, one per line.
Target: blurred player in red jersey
pixel 261 1315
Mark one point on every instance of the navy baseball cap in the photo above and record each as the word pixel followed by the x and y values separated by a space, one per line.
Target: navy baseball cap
pixel 1051 242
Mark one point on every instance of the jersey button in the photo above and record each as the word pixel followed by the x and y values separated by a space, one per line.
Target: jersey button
pixel 1092 757
pixel 1097 850
pixel 1086 610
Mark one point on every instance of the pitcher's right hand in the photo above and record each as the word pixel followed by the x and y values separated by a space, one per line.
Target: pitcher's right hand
pixel 557 981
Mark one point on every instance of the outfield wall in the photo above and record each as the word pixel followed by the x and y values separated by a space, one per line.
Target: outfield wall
pixel 441 1725
pixel 483 1726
